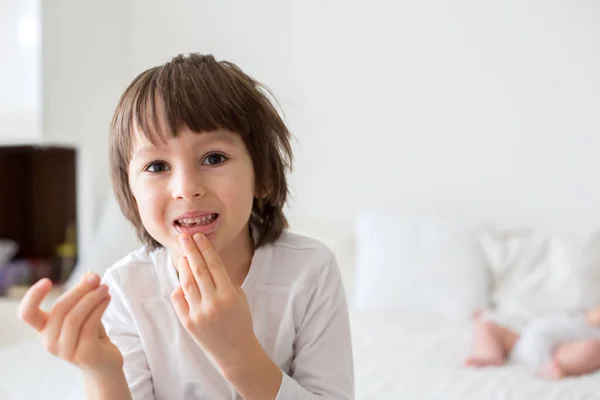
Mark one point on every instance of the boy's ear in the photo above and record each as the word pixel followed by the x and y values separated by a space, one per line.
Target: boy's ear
pixel 262 193
pixel 261 196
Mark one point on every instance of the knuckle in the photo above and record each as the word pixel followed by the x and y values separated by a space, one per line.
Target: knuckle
pixel 227 299
pixel 200 270
pixel 71 322
pixel 213 263
pixel 211 308
pixel 188 323
pixel 64 351
pixel 51 346
pixel 193 319
pixel 60 305
pixel 25 314
pixel 188 286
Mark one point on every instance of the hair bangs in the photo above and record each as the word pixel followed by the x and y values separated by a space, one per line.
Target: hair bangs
pixel 183 95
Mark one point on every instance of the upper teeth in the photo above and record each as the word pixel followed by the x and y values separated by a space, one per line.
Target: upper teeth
pixel 199 220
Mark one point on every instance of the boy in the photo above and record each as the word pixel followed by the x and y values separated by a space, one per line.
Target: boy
pixel 221 302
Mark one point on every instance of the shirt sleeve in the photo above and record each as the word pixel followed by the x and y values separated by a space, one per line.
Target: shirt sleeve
pixel 323 365
pixel 120 328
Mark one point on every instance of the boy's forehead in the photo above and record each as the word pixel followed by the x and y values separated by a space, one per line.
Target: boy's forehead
pixel 142 141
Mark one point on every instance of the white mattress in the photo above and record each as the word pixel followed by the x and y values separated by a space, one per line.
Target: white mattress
pixel 395 358
pixel 28 372
pixel 411 358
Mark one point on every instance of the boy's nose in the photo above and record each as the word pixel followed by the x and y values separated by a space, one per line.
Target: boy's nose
pixel 187 186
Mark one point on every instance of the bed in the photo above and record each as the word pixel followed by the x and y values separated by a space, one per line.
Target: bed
pixel 395 358
pixel 409 343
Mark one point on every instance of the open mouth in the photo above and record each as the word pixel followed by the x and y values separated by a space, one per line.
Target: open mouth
pixel 198 221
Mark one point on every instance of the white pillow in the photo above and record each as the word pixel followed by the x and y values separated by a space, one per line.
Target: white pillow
pixel 114 239
pixel 419 266
pixel 541 272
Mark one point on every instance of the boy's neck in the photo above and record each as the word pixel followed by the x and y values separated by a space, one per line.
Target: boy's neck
pixel 237 257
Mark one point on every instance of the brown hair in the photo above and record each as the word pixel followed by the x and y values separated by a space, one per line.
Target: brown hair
pixel 202 94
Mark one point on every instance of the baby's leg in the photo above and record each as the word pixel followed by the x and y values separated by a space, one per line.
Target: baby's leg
pixel 491 344
pixel 575 358
pixel 592 317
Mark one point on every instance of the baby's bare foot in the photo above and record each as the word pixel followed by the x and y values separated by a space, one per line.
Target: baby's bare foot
pixel 479 361
pixel 551 371
pixel 487 349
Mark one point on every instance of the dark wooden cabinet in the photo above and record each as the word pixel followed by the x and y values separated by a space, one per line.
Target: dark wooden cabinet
pixel 38 199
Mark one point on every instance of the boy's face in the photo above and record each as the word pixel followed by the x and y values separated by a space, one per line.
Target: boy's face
pixel 194 183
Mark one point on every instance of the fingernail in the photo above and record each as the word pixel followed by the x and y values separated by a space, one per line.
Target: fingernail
pixel 91 279
pixel 198 237
pixel 43 282
pixel 84 276
pixel 102 289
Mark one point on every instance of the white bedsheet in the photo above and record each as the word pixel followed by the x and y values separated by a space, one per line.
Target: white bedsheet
pixel 395 358
pixel 28 372
pixel 415 358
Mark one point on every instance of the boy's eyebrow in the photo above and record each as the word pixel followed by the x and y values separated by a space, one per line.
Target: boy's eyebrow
pixel 216 136
pixel 142 150
pixel 209 137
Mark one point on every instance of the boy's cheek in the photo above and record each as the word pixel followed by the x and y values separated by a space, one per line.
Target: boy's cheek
pixel 150 215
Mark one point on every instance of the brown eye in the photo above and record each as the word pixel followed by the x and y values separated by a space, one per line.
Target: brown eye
pixel 214 159
pixel 157 167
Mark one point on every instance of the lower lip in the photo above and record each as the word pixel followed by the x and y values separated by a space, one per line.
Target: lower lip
pixel 205 229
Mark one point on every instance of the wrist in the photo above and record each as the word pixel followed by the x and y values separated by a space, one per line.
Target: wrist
pixel 105 384
pixel 257 376
pixel 104 373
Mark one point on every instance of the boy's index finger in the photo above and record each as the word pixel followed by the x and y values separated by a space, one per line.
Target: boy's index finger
pixel 213 261
pixel 197 264
pixel 30 308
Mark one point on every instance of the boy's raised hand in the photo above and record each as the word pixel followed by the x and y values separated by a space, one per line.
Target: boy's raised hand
pixel 72 330
pixel 212 309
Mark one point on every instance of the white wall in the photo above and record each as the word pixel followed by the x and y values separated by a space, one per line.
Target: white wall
pixel 20 94
pixel 484 110
pixel 85 60
pixel 297 50
pixel 474 108
pixel 487 110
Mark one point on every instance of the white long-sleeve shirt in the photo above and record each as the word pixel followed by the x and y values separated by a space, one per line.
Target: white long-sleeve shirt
pixel 299 314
